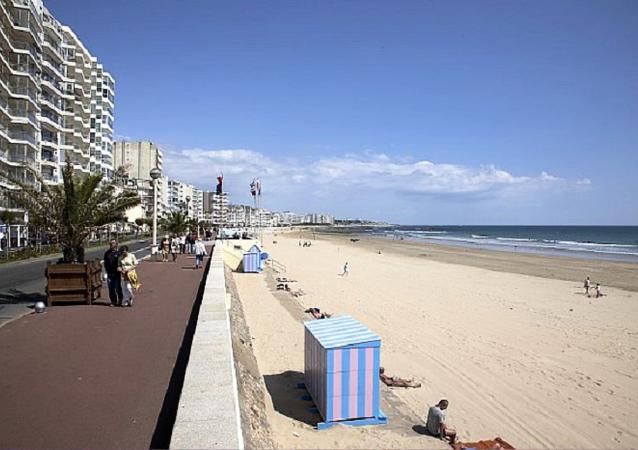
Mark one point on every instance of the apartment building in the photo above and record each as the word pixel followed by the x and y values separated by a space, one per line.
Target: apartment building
pixel 216 207
pixel 56 99
pixel 138 158
pixel 186 198
pixel 20 68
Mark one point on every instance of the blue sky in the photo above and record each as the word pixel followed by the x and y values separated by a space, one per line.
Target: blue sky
pixel 476 112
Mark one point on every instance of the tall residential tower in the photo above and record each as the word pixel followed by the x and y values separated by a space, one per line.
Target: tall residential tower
pixel 56 99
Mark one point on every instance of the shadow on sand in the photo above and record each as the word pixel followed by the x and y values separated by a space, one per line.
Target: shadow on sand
pixel 287 398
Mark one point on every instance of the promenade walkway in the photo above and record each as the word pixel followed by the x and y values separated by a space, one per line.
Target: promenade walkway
pixel 99 377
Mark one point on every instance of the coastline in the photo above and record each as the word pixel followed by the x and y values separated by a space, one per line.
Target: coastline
pixel 623 275
pixel 502 345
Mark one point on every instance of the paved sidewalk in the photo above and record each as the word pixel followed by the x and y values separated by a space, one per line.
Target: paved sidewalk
pixel 97 377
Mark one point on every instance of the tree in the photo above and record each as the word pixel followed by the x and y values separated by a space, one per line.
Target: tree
pixel 175 222
pixel 72 209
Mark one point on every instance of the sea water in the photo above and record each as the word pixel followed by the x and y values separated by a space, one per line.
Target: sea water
pixel 599 242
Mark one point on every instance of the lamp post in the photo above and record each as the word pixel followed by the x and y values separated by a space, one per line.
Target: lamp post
pixel 155 175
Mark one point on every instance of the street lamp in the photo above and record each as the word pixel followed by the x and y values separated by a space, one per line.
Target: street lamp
pixel 155 175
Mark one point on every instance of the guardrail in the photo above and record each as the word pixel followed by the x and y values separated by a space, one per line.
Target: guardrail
pixel 277 266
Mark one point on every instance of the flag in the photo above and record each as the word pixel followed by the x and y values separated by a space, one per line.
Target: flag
pixel 258 187
pixel 253 187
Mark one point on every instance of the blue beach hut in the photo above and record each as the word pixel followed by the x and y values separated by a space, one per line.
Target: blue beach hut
pixel 252 260
pixel 341 363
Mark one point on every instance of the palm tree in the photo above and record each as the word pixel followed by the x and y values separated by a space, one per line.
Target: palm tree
pixel 72 209
pixel 175 222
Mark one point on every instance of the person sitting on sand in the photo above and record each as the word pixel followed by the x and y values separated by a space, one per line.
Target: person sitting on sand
pixel 396 381
pixel 435 423
pixel 587 285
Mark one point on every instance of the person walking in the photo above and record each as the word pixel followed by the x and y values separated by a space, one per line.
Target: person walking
pixel 200 252
pixel 113 277
pixel 182 244
pixel 346 270
pixel 174 247
pixel 587 285
pixel 126 267
pixel 166 248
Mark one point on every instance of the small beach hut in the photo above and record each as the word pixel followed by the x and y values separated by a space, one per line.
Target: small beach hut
pixel 252 260
pixel 341 364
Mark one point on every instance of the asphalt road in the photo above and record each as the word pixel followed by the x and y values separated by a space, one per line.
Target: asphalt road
pixel 23 283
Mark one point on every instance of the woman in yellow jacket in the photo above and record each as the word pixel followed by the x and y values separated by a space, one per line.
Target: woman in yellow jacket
pixel 130 282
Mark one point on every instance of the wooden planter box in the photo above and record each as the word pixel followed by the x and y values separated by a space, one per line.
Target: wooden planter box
pixel 74 282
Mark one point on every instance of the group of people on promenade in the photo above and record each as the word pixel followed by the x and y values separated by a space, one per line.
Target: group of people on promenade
pixel 186 244
pixel 121 275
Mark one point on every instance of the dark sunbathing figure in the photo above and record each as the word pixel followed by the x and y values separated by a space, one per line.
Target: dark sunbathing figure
pixel 317 314
pixel 396 381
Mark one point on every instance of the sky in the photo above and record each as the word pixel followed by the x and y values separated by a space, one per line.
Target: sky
pixel 411 112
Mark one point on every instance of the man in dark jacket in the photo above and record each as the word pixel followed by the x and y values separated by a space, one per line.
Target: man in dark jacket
pixel 113 276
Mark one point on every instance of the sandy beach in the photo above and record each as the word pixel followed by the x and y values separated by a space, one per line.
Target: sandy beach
pixel 510 340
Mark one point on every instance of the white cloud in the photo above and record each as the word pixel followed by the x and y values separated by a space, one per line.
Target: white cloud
pixel 368 171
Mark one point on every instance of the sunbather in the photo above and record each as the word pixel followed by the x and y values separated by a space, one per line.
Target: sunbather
pixel 396 381
pixel 317 314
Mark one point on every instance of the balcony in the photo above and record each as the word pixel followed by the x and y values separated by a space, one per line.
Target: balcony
pixel 23 136
pixel 24 114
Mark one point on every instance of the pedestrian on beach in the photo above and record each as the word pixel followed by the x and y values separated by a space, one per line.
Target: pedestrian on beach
pixel 174 247
pixel 200 252
pixel 346 270
pixel 113 277
pixel 598 290
pixel 126 267
pixel 435 423
pixel 587 285
pixel 166 247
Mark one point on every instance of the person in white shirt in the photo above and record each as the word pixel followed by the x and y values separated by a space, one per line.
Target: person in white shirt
pixel 200 252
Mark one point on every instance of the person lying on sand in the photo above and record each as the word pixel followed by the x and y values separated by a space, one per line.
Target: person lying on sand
pixel 317 314
pixel 396 381
pixel 285 280
pixel 283 287
pixel 435 423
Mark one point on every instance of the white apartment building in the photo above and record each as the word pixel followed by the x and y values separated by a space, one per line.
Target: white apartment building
pixel 20 69
pixel 216 207
pixel 56 100
pixel 287 218
pixel 186 198
pixel 319 219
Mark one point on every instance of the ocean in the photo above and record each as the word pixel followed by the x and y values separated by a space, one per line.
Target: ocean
pixel 618 243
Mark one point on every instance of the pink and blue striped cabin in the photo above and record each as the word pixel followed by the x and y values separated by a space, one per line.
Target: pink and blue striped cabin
pixel 342 358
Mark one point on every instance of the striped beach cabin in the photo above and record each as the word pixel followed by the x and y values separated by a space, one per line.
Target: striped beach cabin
pixel 341 363
pixel 252 260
